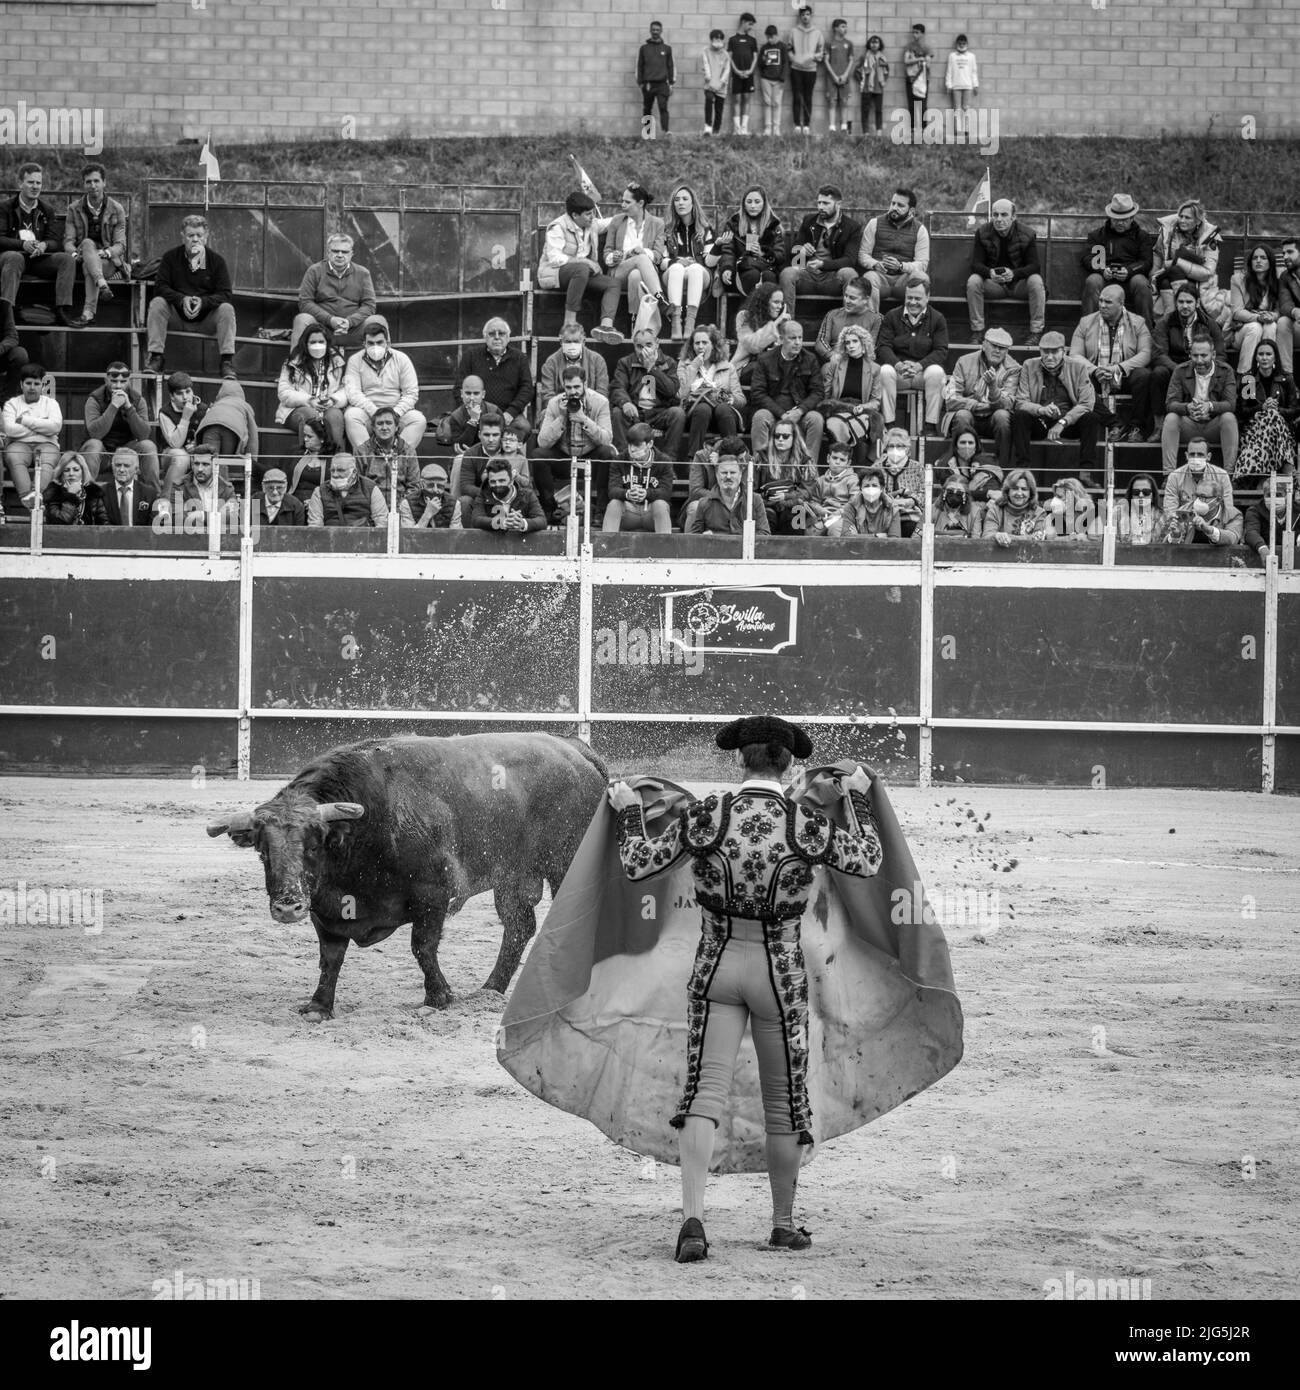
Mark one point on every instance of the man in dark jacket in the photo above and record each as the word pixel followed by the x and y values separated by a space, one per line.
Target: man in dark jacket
pixel 117 418
pixel 279 507
pixel 721 511
pixel 912 350
pixel 1119 252
pixel 504 370
pixel 641 489
pixel 655 76
pixel 504 503
pixel 645 389
pixel 31 235
pixel 823 253
pixel 1266 519
pixel 1201 402
pixel 194 293
pixel 1171 346
pixel 1004 261
pixel 787 385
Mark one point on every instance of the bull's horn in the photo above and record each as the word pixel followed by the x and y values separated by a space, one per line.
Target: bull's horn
pixel 340 810
pixel 239 824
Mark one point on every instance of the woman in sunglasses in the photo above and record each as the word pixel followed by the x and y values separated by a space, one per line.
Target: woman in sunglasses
pixel 1138 518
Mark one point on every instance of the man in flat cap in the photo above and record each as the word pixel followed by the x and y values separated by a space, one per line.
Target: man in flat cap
pixel 980 394
pixel 1055 399
pixel 753 854
pixel 279 506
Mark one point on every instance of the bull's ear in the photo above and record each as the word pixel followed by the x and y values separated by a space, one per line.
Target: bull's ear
pixel 340 810
pixel 238 827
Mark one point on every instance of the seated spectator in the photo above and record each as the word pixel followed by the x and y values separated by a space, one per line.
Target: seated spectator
pixel 1054 400
pixel 787 385
pixel 30 245
pixel 193 293
pixel 94 233
pixel 381 375
pixel 704 471
pixel 1268 408
pixel 954 514
pixel 72 499
pixel 1116 345
pixel 573 351
pixel 1186 252
pixel 227 427
pixel 856 310
pixel 336 294
pixel 787 479
pixel 965 461
pixel 576 425
pixel 895 248
pixel 980 396
pixel 1206 521
pixel 1265 520
pixel 569 261
pixel 645 389
pixel 504 503
pixel 904 478
pixel 278 506
pixel 688 248
pixel 467 471
pixel 504 370
pixel 1288 297
pixel 822 255
pixel 310 388
pixel 912 350
pixel 758 327
pixel 875 512
pixel 851 404
pixel 1197 481
pixel 709 387
pixel 309 471
pixel 1119 252
pixel 203 493
pixel 1004 261
pixel 117 418
pixel 127 500
pixel 1171 344
pixel 833 498
pixel 386 455
pixel 749 248
pixel 514 445
pixel 634 252
pixel 721 511
pixel 1072 510
pixel 459 427
pixel 440 509
pixel 346 498
pixel 641 489
pixel 1138 521
pixel 1201 402
pixel 32 422
pixel 1017 513
pixel 1256 307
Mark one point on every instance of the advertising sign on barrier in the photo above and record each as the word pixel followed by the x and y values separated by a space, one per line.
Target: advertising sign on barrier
pixel 742 622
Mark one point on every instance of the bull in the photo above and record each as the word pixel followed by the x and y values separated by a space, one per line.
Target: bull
pixel 376 834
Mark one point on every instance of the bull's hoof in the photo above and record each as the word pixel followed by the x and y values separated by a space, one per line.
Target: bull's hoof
pixel 314 1012
pixel 491 984
pixel 435 1003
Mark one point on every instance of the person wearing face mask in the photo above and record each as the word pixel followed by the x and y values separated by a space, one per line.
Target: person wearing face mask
pixel 641 489
pixel 1018 513
pixel 1198 481
pixel 310 387
pixel 1117 347
pixel 1171 345
pixel 279 507
pixel 507 378
pixel 965 461
pixel 1054 400
pixel 1073 512
pixel 980 395
pixel 1004 261
pixel 822 254
pixel 1265 520
pixel 954 514
pixel 874 513
pixel 504 503
pixel 709 388
pixel 895 248
pixel 748 250
pixel 345 498
pixel 1201 401
pixel 1207 521
pixel 205 491
pixel 72 499
pixel 1138 518
pixel 572 352
pixel 381 375
pixel 851 404
pixel 1119 252
pixel 904 480
pixel 1269 408
pixel 335 293
pixel 385 455
pixel 438 509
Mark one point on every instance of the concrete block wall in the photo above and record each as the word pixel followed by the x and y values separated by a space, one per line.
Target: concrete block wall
pixel 330 69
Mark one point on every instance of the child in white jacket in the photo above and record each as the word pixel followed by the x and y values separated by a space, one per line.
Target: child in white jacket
pixel 962 79
pixel 717 81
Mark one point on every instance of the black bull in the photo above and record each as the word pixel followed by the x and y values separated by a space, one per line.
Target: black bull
pixel 388 831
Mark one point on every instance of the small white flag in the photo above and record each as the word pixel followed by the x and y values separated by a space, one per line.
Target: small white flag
pixel 584 180
pixel 208 162
pixel 981 197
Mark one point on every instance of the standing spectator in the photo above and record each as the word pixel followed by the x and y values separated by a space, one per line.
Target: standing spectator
pixel 504 503
pixel 916 72
pixel 872 72
pixel 742 48
pixel 1256 306
pixel 1119 252
pixel 346 498
pixel 787 385
pixel 709 386
pixel 655 77
pixel 980 396
pixel 1004 261
pixel 1186 251
pixel 645 389
pixel 193 292
pixel 29 245
pixel 278 506
pixel 386 455
pixel 758 326
pixel 855 310
pixel 807 47
pixel 851 404
pixel 336 294
pixel 894 248
pixel 688 243
pixel 912 350
pixel 1017 512
pixel 72 499
pixel 32 421
pixel 721 510
pixel 641 489
pixel 824 251
pixel 128 501
pixel 1116 345
pixel 576 425
pixel 117 418
pixel 838 58
pixel 1268 408
pixel 1288 287
pixel 381 375
pixel 634 251
pixel 1054 398
pixel 962 78
pixel 1201 403
pixel 748 250
pixel 717 81
pixel 773 69
pixel 507 377
pixel 310 387
pixel 95 234
pixel 569 262
pixel 572 352
pixel 1171 344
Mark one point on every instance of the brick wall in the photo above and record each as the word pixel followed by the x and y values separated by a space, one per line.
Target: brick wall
pixel 247 70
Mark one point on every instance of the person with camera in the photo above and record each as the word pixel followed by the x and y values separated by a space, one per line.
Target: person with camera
pixel 576 425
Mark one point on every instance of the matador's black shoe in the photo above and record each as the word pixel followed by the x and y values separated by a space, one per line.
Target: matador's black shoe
pixel 691 1244
pixel 783 1238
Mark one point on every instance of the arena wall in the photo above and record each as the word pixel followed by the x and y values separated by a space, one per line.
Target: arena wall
pixel 170 69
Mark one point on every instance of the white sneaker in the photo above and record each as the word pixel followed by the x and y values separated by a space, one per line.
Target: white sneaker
pixel 831 128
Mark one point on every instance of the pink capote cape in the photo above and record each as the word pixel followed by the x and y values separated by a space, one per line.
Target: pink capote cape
pixel 596 1024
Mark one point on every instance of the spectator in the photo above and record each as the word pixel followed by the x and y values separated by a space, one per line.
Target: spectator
pixel 634 251
pixel 1138 521
pixel 1197 481
pixel 13 357
pixel 806 46
pixel 506 375
pixel 32 421
pixel 381 375
pixel 904 477
pixel 748 251
pixel 439 510
pixel 872 72
pixel 912 350
pixel 386 455
pixel 459 427
pixel 1206 522
pixel 94 233
pixel 838 58
pixel 572 352
pixel 1201 403
pixel 981 393
pixel 193 293
pixel 1017 513
pixel 855 310
pixel 787 385
pixel 704 472
pixel 204 493
pixel 309 471
pixel 72 499
pixel 128 501
pixel 823 253
pixel 1268 408
pixel 874 513
pixel 709 387
pixel 29 242
pixel 1186 252
pixel 504 503
pixel 1054 400
pixel 1288 297
pixel 1171 344
pixel 835 495
pixel 569 261
pixel 787 479
pixel 346 498
pixel 117 418
pixel 576 425
pixel 916 75
pixel 717 81
pixel 1256 306
pixel 965 461
pixel 962 78
pixel 310 388
pixel 1073 512
pixel 742 48
pixel 851 404
pixel 1116 345
pixel 179 420
pixel 758 327
pixel 773 69
pixel 894 249
pixel 336 294
pixel 641 489
pixel 226 428
pixel 1004 262
pixel 1265 520
pixel 1119 252
pixel 468 470
pixel 721 510
pixel 514 445
pixel 645 388
pixel 954 514
pixel 656 78
pixel 688 242
pixel 278 506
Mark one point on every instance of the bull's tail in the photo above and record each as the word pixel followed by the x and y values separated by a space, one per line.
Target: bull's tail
pixel 591 757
